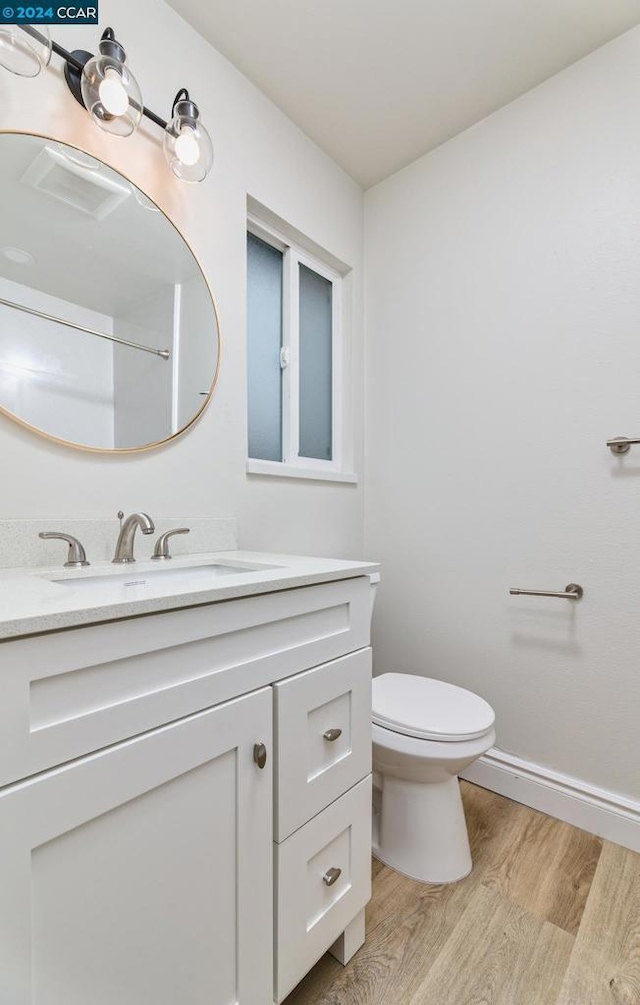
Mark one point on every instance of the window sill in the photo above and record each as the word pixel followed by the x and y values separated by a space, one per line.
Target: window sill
pixel 280 470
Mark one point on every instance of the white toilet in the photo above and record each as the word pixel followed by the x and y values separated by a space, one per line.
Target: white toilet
pixel 424 733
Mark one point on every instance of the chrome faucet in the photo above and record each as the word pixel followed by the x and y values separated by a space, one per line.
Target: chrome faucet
pixel 161 551
pixel 124 547
pixel 77 555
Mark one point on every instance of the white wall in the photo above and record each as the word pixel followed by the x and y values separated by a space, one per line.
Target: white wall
pixel 196 357
pixel 503 342
pixel 51 376
pixel 143 383
pixel 258 152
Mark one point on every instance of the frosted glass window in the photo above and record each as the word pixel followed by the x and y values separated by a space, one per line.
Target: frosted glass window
pixel 316 365
pixel 264 341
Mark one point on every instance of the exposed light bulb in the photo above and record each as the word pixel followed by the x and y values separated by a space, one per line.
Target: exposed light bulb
pixel 113 95
pixel 187 147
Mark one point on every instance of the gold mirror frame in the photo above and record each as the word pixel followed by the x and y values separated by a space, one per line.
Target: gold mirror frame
pixel 113 451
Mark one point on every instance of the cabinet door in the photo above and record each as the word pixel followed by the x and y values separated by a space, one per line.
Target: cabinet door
pixel 142 875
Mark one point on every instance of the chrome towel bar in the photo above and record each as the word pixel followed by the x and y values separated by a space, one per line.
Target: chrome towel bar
pixel 571 592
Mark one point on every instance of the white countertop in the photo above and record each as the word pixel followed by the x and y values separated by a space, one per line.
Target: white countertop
pixel 33 601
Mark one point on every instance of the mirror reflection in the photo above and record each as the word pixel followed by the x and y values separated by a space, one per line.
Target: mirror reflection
pixel 108 333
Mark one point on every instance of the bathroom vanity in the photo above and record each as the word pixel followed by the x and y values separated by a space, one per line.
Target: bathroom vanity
pixel 185 746
pixel 185 780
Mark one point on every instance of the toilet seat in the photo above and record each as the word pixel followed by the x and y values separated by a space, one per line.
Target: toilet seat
pixel 429 709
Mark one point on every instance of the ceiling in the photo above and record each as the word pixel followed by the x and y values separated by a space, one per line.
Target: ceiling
pixel 377 83
pixel 130 255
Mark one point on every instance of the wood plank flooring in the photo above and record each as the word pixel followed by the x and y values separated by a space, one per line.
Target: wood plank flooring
pixel 550 915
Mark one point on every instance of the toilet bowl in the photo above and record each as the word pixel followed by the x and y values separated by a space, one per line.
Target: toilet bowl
pixel 425 732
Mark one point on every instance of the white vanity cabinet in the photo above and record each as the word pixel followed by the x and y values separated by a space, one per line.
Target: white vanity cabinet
pixel 142 874
pixel 148 855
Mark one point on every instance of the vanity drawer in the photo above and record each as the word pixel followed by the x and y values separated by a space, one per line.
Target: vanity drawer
pixel 323 729
pixel 72 692
pixel 311 914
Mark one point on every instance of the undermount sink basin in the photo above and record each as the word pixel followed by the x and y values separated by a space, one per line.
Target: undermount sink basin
pixel 134 582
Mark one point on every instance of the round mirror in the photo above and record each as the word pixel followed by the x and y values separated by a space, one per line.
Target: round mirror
pixel 108 332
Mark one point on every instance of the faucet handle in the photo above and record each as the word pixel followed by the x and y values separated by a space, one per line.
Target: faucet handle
pixel 161 550
pixel 77 556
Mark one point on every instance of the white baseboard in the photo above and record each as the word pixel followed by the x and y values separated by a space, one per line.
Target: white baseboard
pixel 607 814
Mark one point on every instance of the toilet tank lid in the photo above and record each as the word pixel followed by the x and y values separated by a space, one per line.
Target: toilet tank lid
pixel 430 709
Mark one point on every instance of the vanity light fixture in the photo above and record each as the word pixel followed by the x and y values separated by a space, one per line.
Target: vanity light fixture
pixel 187 144
pixel 105 86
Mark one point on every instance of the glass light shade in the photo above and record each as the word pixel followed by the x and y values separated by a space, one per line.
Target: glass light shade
pixel 24 50
pixel 110 91
pixel 187 144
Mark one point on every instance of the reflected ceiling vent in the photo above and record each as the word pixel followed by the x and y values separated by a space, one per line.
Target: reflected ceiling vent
pixel 82 187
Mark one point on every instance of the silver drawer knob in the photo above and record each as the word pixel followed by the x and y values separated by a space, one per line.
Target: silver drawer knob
pixel 332 876
pixel 260 755
pixel 332 734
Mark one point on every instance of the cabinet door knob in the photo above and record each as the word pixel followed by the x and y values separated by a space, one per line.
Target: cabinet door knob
pixel 332 876
pixel 260 755
pixel 332 734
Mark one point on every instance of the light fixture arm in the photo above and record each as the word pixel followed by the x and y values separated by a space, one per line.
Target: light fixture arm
pixel 186 107
pixel 112 47
pixel 182 95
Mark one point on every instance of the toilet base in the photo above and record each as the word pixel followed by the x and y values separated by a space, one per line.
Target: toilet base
pixel 420 830
pixel 375 851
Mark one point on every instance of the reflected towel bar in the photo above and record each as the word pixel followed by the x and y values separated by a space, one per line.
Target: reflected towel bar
pixel 163 353
pixel 571 592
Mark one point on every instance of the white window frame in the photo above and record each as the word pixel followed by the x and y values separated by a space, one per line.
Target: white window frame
pixel 292 464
